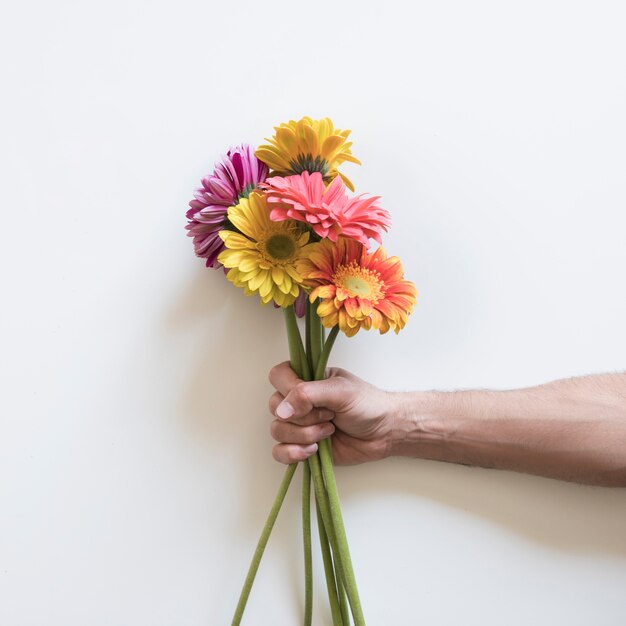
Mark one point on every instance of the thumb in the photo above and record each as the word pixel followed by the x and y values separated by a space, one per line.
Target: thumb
pixel 305 396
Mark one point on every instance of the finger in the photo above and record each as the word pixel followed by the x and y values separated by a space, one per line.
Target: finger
pixel 285 432
pixel 275 399
pixel 331 393
pixel 283 378
pixel 290 453
pixel 315 416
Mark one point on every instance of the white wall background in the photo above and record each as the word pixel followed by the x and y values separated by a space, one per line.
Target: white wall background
pixel 135 467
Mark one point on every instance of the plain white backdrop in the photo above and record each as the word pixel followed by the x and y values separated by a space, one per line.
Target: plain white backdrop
pixel 135 466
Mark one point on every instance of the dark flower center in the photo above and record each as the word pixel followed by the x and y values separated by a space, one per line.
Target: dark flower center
pixel 280 247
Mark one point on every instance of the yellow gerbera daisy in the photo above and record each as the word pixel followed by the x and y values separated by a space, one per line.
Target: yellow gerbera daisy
pixel 262 257
pixel 308 146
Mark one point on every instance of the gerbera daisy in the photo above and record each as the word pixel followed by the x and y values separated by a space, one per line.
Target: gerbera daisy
pixel 262 257
pixel 357 289
pixel 308 146
pixel 328 210
pixel 238 173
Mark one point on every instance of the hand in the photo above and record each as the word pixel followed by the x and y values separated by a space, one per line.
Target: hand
pixel 357 415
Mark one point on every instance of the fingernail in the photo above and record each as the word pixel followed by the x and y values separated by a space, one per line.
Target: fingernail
pixel 310 448
pixel 284 410
pixel 328 430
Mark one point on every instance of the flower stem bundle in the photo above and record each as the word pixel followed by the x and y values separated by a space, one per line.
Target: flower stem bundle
pixel 282 225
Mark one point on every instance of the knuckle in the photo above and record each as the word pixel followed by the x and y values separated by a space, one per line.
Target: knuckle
pixel 341 382
pixel 273 373
pixel 315 433
pixel 275 399
pixel 307 453
pixel 310 434
pixel 300 394
pixel 341 385
pixel 275 428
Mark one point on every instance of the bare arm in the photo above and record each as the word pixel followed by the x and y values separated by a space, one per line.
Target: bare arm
pixel 572 429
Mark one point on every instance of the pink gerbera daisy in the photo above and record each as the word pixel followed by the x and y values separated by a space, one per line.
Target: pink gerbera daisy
pixel 328 210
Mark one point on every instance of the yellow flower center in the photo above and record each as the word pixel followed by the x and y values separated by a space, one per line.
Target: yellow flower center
pixel 359 281
pixel 279 247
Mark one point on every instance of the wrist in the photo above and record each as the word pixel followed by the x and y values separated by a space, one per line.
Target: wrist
pixel 424 423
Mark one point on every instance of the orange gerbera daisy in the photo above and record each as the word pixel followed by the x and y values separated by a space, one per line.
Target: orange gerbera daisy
pixel 357 289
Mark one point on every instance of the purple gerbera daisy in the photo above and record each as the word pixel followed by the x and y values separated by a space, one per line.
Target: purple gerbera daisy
pixel 238 173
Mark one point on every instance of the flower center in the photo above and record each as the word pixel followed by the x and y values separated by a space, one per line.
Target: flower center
pixel 359 281
pixel 280 247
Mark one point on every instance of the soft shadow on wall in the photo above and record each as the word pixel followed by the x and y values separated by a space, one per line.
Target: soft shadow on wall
pixel 225 405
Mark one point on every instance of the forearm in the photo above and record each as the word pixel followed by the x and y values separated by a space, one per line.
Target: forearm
pixel 572 429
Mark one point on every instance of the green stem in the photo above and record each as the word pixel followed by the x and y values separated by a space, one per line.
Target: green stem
pixel 326 493
pixel 306 535
pixel 340 531
pixel 321 493
pixel 260 548
pixel 307 341
pixel 292 341
pixel 343 604
pixel 299 362
pixel 325 519
pixel 316 335
pixel 323 505
pixel 300 365
pixel 341 551
pixel 329 572
pixel 320 368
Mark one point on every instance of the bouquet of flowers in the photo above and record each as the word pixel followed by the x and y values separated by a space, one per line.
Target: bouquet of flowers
pixel 281 223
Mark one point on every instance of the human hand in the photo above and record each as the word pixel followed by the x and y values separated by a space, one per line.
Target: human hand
pixel 357 415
